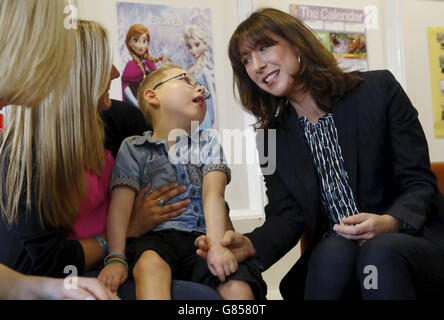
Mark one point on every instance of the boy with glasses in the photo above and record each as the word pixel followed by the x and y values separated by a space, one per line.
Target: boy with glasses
pixel 171 99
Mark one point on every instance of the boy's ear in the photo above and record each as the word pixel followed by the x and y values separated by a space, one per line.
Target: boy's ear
pixel 150 96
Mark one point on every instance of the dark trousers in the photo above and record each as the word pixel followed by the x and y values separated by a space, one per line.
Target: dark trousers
pixel 389 266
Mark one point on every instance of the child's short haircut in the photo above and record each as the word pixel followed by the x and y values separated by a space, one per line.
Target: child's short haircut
pixel 148 83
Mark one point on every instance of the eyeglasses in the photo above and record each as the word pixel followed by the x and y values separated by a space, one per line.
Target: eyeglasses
pixel 190 80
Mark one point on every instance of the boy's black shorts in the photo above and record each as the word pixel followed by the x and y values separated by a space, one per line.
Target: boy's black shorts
pixel 178 250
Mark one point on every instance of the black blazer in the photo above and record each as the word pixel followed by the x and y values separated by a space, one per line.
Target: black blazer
pixel 386 157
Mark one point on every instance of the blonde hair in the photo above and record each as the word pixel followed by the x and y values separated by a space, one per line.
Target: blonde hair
pixel 36 50
pixel 48 148
pixel 149 82
pixel 194 32
pixel 137 30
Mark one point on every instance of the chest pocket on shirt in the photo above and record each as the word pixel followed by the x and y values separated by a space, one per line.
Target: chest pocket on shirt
pixel 159 171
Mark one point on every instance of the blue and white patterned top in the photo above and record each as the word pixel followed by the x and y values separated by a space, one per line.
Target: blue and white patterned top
pixel 336 193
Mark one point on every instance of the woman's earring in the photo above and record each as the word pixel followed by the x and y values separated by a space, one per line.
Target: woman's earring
pixel 299 59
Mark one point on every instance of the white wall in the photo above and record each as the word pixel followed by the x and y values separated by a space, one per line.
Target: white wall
pixel 415 16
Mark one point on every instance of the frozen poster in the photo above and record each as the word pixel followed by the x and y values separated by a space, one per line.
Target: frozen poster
pixel 150 35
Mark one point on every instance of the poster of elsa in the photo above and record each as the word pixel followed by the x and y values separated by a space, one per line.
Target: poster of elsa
pixel 197 47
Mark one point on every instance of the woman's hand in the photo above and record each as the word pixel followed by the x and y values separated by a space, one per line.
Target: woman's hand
pixel 17 286
pixel 240 246
pixel 88 289
pixel 364 226
pixel 148 213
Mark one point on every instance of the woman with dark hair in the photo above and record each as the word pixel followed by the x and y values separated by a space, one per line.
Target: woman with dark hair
pixel 319 74
pixel 352 165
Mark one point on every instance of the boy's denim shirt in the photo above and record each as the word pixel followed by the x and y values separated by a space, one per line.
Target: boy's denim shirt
pixel 143 159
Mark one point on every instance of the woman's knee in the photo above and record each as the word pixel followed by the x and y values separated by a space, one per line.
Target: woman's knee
pixel 150 262
pixel 333 254
pixel 381 252
pixel 383 268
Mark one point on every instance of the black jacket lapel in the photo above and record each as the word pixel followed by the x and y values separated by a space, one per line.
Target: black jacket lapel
pixel 296 168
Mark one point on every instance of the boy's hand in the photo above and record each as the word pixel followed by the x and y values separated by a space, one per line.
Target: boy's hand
pixel 221 262
pixel 113 275
pixel 240 245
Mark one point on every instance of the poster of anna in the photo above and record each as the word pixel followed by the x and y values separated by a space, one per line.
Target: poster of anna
pixel 150 35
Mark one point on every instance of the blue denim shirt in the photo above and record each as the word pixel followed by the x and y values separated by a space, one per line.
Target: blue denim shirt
pixel 143 159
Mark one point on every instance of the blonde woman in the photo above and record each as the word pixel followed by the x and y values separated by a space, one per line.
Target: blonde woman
pixel 44 153
pixel 197 47
pixel 27 81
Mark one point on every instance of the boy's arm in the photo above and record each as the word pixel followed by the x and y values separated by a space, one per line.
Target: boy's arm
pixel 122 200
pixel 220 260
pixel 213 191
